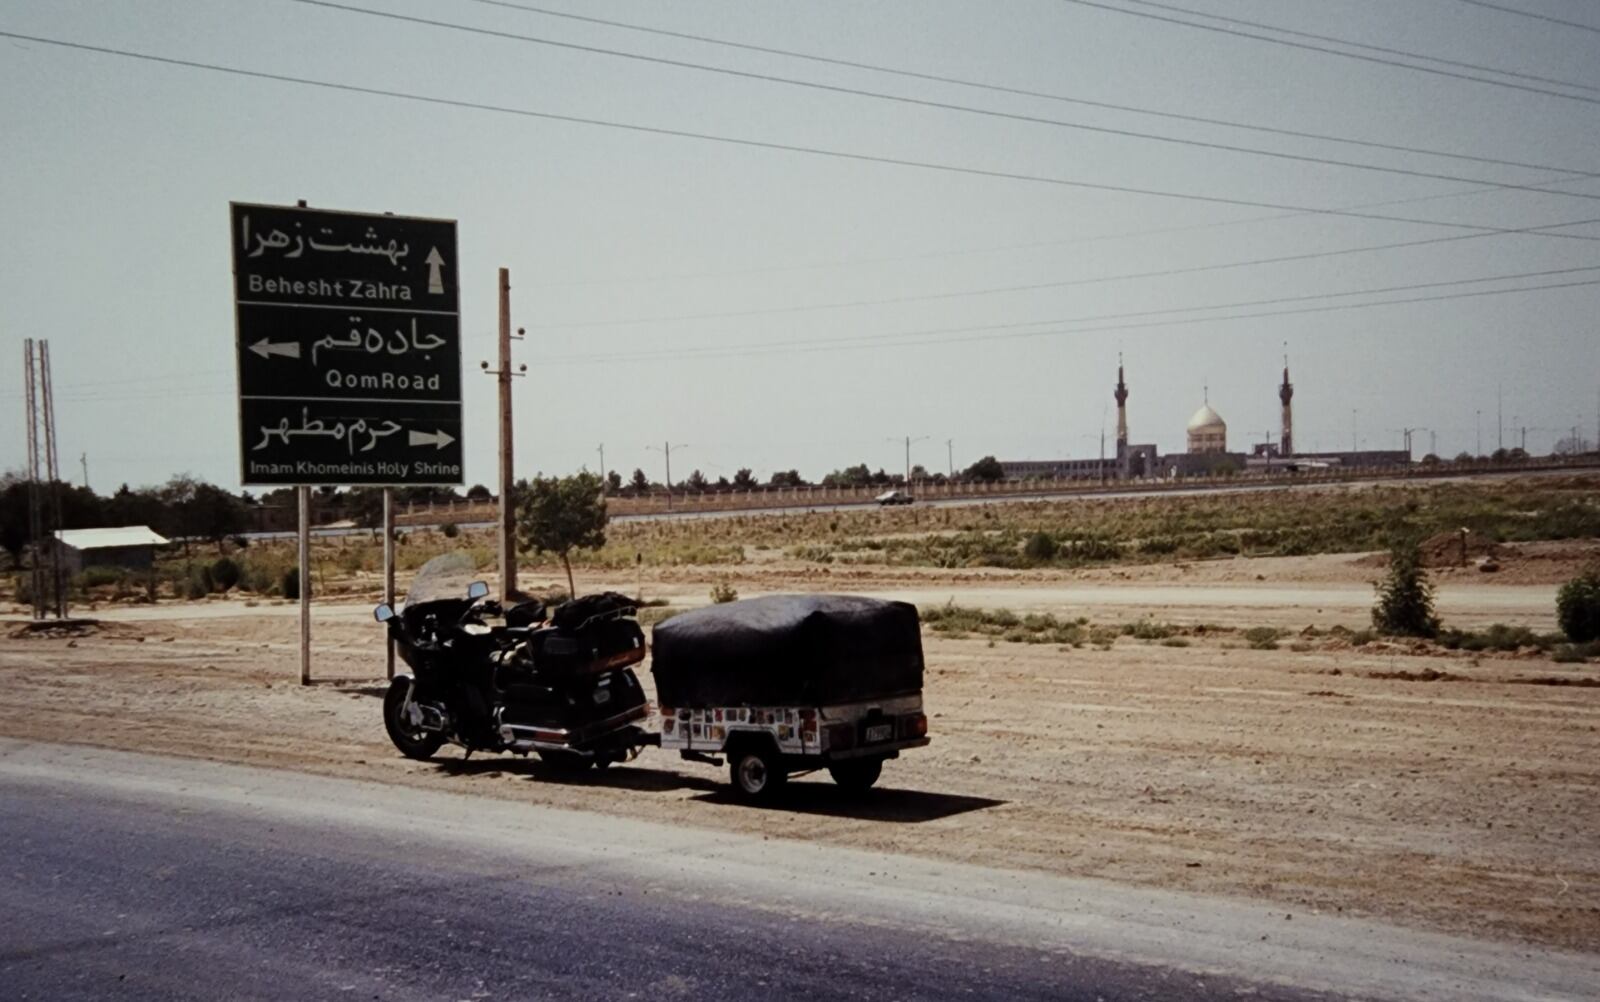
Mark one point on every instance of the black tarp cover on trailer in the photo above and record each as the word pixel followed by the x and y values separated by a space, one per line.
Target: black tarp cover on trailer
pixel 788 650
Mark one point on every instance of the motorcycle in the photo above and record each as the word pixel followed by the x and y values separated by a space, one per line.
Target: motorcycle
pixel 556 684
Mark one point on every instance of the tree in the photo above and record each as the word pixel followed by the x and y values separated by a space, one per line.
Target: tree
pixel 614 481
pixel 558 515
pixel 744 480
pixel 988 469
pixel 13 517
pixel 1578 607
pixel 478 492
pixel 722 483
pixel 787 478
pixel 640 484
pixel 850 476
pixel 1405 596
pixel 1463 457
pixel 365 505
pixel 696 482
pixel 920 472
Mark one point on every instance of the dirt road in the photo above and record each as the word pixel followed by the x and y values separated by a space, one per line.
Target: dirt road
pixel 1325 780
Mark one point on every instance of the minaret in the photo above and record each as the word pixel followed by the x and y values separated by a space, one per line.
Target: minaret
pixel 1121 396
pixel 1285 394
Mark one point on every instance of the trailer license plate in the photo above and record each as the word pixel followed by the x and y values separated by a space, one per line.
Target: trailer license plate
pixel 879 732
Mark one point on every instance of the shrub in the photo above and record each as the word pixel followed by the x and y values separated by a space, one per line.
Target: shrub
pixel 1144 629
pixel 1175 642
pixel 1405 596
pixel 224 574
pixel 1578 607
pixel 289 584
pixel 1040 547
pixel 722 591
pixel 1262 638
pixel 450 530
pixel 100 576
pixel 198 584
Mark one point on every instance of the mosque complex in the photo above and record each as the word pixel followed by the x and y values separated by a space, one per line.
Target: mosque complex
pixel 1206 452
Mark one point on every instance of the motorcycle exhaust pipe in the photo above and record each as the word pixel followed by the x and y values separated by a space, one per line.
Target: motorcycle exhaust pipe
pixel 521 737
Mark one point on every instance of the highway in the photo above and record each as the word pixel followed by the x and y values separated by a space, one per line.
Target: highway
pixel 136 877
pixel 1110 492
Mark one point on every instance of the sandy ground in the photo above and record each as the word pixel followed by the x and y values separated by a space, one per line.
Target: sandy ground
pixel 1332 780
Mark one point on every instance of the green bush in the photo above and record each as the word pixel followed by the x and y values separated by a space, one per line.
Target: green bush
pixel 289 584
pixel 722 591
pixel 224 574
pixel 1041 547
pixel 1578 607
pixel 1405 595
pixel 450 530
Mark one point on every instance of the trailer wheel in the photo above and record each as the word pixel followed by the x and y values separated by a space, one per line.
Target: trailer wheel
pixel 757 773
pixel 856 775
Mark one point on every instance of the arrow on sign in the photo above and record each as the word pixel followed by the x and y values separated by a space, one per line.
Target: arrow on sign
pixel 436 439
pixel 267 349
pixel 435 261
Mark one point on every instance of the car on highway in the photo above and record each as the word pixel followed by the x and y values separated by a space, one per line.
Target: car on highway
pixel 894 497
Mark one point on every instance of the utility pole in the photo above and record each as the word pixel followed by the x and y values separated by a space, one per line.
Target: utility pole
pixel 908 441
pixel 666 450
pixel 83 457
pixel 1353 446
pixel 602 469
pixel 35 533
pixel 1433 442
pixel 950 455
pixel 507 541
pixel 1499 417
pixel 58 580
pixel 1478 423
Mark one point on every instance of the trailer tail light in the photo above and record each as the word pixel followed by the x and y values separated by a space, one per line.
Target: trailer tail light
pixel 841 737
pixel 915 726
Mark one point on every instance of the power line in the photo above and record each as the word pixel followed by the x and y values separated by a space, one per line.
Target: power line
pixel 1529 13
pixel 925 103
pixel 749 143
pixel 735 353
pixel 1030 245
pixel 1038 286
pixel 1021 91
pixel 1336 52
pixel 1365 45
pixel 908 338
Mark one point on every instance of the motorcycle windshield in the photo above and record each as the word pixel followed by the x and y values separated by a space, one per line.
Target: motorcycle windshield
pixel 445 576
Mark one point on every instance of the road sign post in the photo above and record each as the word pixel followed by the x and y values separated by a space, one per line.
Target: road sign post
pixel 349 348
pixel 347 331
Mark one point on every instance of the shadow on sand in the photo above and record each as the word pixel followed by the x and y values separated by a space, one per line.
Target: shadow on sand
pixel 889 805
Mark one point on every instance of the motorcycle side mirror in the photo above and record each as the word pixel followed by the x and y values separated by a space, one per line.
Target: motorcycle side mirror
pixel 383 613
pixel 477 590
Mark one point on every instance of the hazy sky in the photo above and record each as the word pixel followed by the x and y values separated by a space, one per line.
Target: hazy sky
pixel 732 297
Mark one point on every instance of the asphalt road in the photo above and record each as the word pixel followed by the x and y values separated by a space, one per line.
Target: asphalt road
pixel 134 877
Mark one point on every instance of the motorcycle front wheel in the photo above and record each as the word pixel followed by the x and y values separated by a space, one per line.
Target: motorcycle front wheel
pixel 413 742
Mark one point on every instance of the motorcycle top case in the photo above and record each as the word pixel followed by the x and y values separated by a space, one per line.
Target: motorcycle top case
pixel 590 634
pixel 788 650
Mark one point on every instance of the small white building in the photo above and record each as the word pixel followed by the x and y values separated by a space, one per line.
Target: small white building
pixel 130 546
